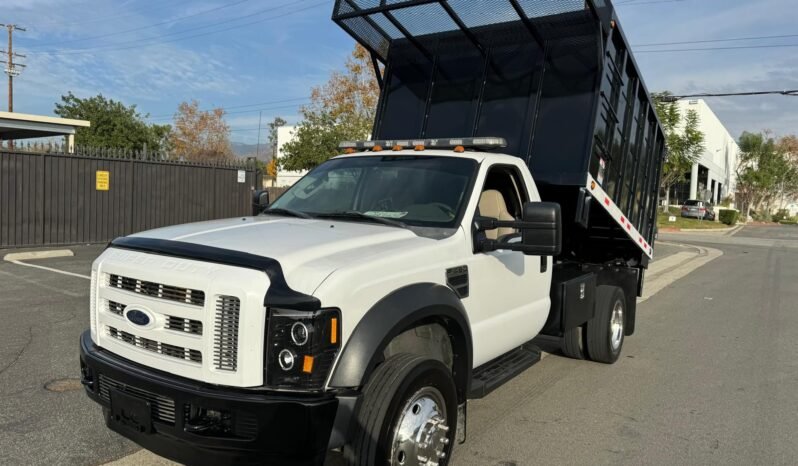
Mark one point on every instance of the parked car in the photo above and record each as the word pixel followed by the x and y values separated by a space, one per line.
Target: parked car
pixel 698 209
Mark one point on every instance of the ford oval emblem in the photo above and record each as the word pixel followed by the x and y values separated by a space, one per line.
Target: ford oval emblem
pixel 138 317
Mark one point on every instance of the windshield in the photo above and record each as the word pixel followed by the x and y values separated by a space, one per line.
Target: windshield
pixel 414 190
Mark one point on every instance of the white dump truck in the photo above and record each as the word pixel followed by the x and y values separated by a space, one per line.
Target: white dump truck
pixel 509 191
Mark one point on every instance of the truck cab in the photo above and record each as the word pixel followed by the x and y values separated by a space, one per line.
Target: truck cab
pixel 365 306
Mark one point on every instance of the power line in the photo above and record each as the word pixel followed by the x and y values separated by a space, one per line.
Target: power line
pixel 156 41
pixel 718 48
pixel 731 39
pixel 280 107
pixel 203 12
pixel 130 12
pixel 297 100
pixel 164 115
pixel 674 98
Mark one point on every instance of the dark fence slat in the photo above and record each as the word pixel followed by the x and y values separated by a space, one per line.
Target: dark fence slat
pixel 49 198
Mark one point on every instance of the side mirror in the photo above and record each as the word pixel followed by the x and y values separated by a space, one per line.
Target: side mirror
pixel 260 201
pixel 541 230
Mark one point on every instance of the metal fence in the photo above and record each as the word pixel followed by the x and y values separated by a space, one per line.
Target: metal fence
pixel 51 198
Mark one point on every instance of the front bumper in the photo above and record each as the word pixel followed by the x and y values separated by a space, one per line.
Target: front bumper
pixel 260 428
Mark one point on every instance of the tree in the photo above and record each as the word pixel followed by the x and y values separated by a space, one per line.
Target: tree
pixel 113 124
pixel 342 109
pixel 684 140
pixel 200 135
pixel 271 168
pixel 766 171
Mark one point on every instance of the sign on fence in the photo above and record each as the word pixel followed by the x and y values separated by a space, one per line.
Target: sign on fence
pixel 103 180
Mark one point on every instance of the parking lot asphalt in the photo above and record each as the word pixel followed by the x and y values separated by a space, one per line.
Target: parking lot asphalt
pixel 534 419
pixel 42 314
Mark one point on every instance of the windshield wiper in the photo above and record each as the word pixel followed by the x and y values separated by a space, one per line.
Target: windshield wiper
pixel 354 215
pixel 286 212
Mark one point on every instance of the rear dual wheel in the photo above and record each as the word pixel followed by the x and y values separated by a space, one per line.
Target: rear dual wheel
pixel 601 338
pixel 605 331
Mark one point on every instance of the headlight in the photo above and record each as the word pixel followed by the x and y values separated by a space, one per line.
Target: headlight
pixel 301 347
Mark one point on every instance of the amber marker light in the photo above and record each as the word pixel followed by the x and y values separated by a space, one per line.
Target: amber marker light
pixel 307 364
pixel 334 330
pixel 418 148
pixel 376 149
pixel 349 150
pixel 459 149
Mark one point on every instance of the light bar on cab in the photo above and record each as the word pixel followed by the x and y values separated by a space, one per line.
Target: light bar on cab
pixel 446 143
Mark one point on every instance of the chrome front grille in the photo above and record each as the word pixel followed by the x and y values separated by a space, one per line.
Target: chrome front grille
pixel 162 407
pixel 116 308
pixel 157 290
pixel 166 349
pixel 180 324
pixel 225 346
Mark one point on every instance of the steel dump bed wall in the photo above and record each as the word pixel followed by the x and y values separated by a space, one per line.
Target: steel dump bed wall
pixel 555 78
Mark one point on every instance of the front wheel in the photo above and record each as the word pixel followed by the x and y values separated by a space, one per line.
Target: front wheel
pixel 407 416
pixel 605 331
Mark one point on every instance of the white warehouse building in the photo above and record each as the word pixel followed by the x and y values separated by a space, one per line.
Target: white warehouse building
pixel 286 178
pixel 716 170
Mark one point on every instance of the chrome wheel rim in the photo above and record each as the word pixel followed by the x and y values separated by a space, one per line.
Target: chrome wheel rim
pixel 420 435
pixel 616 326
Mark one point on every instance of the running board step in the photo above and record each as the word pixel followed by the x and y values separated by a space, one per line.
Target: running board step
pixel 494 374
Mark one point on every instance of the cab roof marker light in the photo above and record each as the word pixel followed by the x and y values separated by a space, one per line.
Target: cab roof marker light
pixel 446 143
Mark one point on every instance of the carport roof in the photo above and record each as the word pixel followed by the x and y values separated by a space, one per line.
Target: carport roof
pixel 25 126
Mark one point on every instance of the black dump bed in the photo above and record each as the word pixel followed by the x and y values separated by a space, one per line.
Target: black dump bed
pixel 555 78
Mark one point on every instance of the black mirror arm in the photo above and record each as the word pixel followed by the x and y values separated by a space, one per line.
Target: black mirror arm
pixel 490 245
pixel 489 223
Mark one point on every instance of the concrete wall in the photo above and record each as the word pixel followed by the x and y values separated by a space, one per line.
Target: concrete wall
pixel 285 134
pixel 720 153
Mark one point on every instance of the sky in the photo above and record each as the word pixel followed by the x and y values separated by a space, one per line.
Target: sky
pixel 260 58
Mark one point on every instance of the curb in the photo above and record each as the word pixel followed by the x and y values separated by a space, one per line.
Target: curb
pixel 660 279
pixel 702 230
pixel 31 255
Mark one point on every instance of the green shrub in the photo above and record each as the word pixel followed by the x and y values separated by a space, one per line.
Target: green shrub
pixel 761 216
pixel 728 216
pixel 789 221
pixel 781 214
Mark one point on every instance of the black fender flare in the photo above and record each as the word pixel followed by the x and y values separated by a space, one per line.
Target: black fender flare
pixel 401 310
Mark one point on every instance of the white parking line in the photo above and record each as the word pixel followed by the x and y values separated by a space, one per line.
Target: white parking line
pixel 62 272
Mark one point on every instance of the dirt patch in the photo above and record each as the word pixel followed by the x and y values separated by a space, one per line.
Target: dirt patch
pixel 63 385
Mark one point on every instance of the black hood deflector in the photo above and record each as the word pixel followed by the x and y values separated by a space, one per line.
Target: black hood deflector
pixel 279 295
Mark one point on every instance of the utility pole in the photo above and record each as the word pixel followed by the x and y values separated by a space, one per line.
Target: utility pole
pixel 12 69
pixel 260 117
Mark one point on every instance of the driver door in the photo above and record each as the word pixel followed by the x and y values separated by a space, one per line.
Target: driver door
pixel 509 296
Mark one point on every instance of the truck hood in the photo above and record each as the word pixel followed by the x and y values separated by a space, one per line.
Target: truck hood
pixel 308 250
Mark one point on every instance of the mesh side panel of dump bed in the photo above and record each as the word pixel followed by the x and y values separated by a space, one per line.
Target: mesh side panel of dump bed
pixel 377 23
pixel 555 78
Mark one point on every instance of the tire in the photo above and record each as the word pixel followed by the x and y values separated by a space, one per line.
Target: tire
pixel 391 404
pixel 573 343
pixel 605 339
